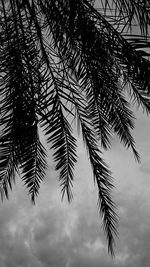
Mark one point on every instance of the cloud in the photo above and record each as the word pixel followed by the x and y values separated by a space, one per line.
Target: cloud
pixel 145 167
pixel 55 234
pixel 68 238
pixel 134 230
pixel 50 233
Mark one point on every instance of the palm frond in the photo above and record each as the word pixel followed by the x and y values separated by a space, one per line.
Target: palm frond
pixel 59 133
pixel 19 85
pixel 94 66
pixel 101 174
pixel 8 159
pixel 33 166
pixel 62 60
pixel 131 11
pixel 134 68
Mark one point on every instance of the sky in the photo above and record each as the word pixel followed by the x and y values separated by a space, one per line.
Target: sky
pixel 57 234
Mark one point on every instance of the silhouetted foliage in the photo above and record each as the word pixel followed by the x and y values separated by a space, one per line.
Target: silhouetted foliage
pixel 60 57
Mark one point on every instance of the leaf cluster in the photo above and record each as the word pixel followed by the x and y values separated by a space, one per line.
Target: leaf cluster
pixel 60 61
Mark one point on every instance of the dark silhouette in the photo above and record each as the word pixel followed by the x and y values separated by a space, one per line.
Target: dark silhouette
pixel 67 57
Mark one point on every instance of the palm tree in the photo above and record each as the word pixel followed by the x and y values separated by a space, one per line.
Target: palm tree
pixel 66 60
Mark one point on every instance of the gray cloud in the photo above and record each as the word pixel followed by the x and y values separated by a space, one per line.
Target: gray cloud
pixel 55 234
pixel 145 167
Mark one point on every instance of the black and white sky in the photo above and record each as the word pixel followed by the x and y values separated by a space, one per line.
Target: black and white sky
pixel 55 234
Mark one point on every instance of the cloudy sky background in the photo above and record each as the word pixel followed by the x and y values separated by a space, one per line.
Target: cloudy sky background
pixel 55 234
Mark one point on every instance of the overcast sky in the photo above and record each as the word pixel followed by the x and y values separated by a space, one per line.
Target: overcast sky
pixel 55 234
